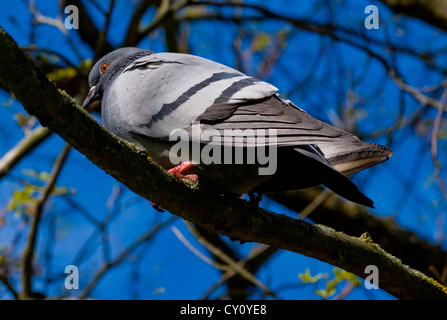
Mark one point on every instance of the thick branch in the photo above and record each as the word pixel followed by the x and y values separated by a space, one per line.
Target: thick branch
pixel 227 216
pixel 355 220
pixel 433 12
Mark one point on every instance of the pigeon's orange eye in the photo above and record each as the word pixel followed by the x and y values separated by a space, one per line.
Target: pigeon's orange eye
pixel 104 67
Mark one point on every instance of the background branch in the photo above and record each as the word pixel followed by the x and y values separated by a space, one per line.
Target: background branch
pixel 22 148
pixel 355 220
pixel 432 11
pixel 37 214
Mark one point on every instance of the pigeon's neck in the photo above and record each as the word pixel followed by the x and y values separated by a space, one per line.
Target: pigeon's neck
pixel 118 69
pixel 135 56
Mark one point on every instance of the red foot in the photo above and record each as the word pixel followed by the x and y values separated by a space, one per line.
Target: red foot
pixel 178 172
pixel 182 167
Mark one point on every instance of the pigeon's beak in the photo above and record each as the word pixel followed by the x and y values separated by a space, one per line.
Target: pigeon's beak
pixel 91 97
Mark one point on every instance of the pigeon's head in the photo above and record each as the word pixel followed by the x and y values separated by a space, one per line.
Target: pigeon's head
pixel 107 68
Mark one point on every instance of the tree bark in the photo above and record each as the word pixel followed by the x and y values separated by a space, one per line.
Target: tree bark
pixel 355 220
pixel 433 12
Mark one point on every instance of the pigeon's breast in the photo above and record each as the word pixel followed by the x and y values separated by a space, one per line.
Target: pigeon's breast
pixel 112 115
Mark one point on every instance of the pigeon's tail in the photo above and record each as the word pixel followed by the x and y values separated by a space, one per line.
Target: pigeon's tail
pixel 348 159
pixel 305 166
pixel 333 178
pixel 347 189
pixel 351 158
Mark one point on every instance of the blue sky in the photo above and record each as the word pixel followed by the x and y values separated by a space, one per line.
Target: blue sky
pixel 166 268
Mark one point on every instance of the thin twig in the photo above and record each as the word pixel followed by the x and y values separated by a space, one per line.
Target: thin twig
pixel 434 144
pixel 22 148
pixel 123 256
pixel 166 8
pixel 37 214
pixel 237 266
pixel 314 204
pixel 257 251
pixel 9 286
pixel 197 252
pixel 34 48
pixel 135 21
pixel 102 39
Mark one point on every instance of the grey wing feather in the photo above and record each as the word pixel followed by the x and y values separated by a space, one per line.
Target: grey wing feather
pixel 294 127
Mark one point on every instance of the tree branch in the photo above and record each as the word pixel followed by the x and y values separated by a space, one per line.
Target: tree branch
pixel 234 218
pixel 433 12
pixel 37 214
pixel 166 9
pixel 4 279
pixel 22 148
pixel 87 29
pixel 355 220
pixel 232 265
pixel 122 257
pixel 135 21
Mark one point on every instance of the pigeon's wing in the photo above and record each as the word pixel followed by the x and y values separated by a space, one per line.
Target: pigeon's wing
pixel 291 126
pixel 311 151
pixel 168 91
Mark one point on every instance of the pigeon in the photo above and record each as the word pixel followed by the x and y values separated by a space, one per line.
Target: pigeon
pixel 226 131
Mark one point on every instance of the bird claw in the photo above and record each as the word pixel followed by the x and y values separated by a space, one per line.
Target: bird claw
pixel 182 167
pixel 193 177
pixel 178 172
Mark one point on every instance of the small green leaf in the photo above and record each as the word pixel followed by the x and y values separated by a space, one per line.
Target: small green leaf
pixel 307 278
pixel 23 200
pixel 325 293
pixel 262 41
pixel 62 73
pixel 41 176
